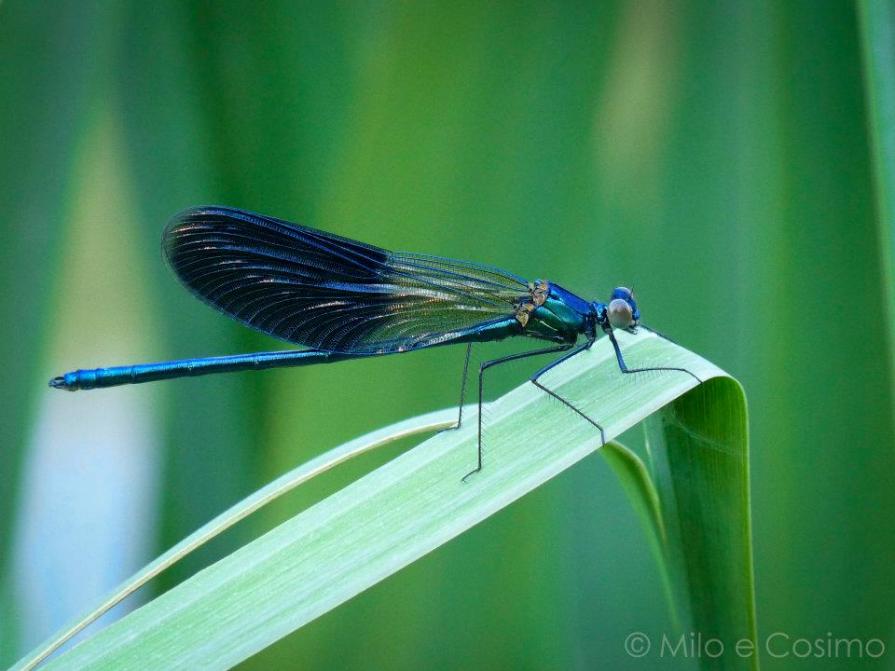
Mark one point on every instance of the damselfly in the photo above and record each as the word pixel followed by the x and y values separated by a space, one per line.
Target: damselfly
pixel 344 299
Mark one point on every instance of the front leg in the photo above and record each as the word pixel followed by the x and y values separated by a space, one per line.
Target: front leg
pixel 624 367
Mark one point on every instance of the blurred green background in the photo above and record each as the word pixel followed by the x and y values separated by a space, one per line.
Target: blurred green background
pixel 713 155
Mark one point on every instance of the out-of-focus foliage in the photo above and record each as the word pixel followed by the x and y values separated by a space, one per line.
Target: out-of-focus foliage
pixel 714 155
pixel 878 37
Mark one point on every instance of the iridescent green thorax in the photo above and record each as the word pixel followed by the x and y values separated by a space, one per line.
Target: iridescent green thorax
pixel 553 313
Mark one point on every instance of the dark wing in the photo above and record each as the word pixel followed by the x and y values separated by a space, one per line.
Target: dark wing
pixel 329 292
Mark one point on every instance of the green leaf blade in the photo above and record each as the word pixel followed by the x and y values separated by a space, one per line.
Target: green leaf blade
pixel 698 448
pixel 391 517
pixel 877 21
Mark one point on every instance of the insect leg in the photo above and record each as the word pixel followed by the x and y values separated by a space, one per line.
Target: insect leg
pixel 535 381
pixel 463 387
pixel 661 335
pixel 624 367
pixel 494 362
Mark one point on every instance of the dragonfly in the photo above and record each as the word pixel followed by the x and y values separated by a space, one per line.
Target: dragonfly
pixel 342 299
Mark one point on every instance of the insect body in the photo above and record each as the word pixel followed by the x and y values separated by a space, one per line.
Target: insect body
pixel 343 299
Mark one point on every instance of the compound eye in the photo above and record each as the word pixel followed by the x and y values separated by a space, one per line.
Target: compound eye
pixel 620 314
pixel 623 293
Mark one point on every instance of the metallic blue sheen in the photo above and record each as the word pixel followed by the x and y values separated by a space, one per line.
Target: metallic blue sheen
pixel 148 372
pixel 97 378
pixel 343 299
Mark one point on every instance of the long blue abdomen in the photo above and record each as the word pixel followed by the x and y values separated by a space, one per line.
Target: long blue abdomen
pixel 164 370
